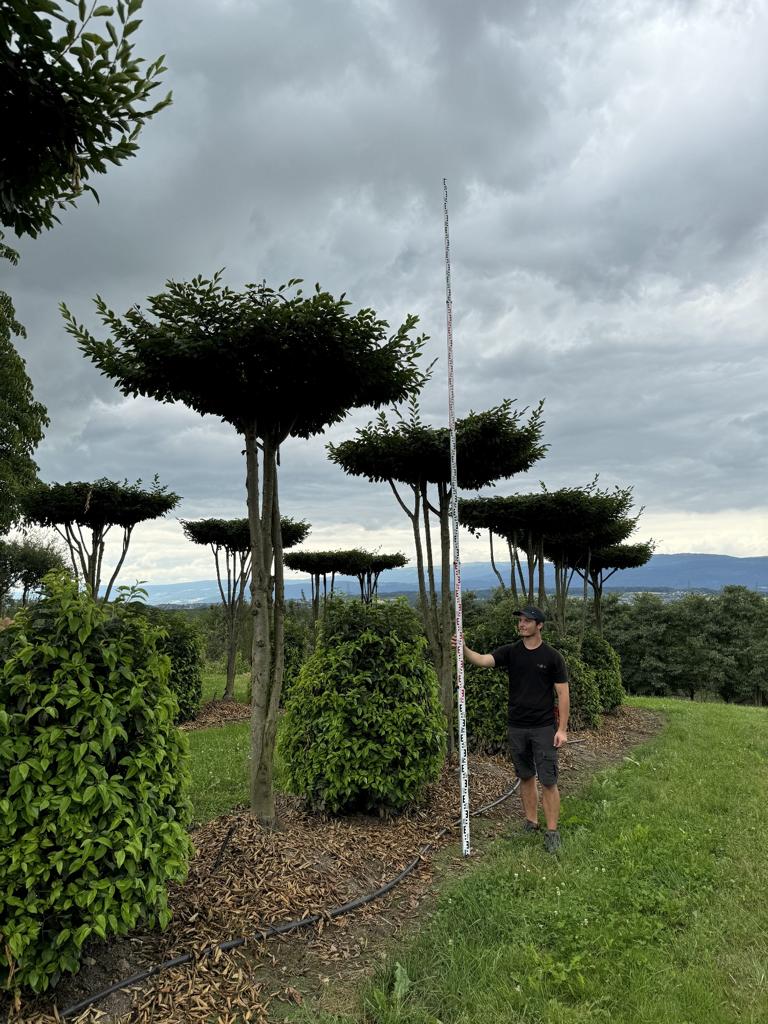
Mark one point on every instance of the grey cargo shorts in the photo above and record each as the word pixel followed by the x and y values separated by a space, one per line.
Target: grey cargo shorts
pixel 533 752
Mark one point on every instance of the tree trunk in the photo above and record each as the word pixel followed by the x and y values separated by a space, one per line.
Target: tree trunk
pixel 513 558
pixel 261 794
pixel 542 584
pixel 229 689
pixel 493 563
pixel 597 589
pixel 586 594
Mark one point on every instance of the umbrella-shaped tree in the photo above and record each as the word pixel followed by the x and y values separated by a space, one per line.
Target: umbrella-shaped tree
pixel 366 566
pixel 517 519
pixel 230 542
pixel 490 446
pixel 604 562
pixel 96 508
pixel 575 522
pixel 274 364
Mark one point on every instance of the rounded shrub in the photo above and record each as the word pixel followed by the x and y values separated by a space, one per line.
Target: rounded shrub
pixel 363 727
pixel 583 689
pixel 93 779
pixel 604 660
pixel 184 645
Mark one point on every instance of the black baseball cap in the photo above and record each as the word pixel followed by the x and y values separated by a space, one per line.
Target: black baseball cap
pixel 531 613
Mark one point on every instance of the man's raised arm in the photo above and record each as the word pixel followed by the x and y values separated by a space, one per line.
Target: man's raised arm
pixel 481 660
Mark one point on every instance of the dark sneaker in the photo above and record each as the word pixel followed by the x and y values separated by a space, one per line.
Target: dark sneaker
pixel 552 841
pixel 530 826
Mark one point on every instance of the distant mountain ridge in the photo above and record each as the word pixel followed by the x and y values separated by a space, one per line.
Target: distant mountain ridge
pixel 662 572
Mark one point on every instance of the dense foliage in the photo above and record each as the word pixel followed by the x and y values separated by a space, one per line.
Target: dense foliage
pixel 363 728
pixel 22 419
pixel 598 655
pixel 583 683
pixel 93 780
pixel 181 640
pixel 72 100
pixel 710 646
pixel 275 364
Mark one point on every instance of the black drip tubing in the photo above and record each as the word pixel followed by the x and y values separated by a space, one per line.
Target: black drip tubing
pixel 277 929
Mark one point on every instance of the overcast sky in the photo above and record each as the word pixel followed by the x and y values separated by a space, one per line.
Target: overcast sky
pixel 607 167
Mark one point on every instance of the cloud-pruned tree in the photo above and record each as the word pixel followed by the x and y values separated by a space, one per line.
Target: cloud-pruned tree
pixel 517 519
pixel 274 363
pixel 575 522
pixel 605 561
pixel 73 99
pixel 365 566
pixel 230 542
pixel 76 509
pixel 490 446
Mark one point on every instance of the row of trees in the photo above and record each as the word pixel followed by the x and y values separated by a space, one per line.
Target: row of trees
pixel 707 646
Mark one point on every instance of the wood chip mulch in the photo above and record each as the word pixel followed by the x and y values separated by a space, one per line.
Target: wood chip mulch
pixel 243 878
pixel 218 712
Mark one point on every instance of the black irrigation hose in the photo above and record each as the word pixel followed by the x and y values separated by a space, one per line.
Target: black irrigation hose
pixel 278 929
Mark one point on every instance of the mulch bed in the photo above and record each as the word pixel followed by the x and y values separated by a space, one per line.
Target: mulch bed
pixel 243 878
pixel 218 712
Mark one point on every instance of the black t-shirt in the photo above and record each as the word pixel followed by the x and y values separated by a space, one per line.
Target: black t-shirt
pixel 532 678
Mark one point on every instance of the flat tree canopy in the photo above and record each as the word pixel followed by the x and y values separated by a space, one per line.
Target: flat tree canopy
pixel 366 566
pixel 235 534
pixel 73 99
pixel 307 358
pixel 97 507
pixel 490 445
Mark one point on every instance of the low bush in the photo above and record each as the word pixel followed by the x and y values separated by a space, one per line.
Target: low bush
pixel 93 804
pixel 583 688
pixel 603 659
pixel 363 727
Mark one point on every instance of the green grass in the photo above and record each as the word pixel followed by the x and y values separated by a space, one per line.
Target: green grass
pixel 655 912
pixel 215 680
pixel 219 769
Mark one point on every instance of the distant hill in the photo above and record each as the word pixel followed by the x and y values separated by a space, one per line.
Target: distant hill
pixel 663 572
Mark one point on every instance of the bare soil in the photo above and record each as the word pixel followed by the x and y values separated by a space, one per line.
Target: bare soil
pixel 244 878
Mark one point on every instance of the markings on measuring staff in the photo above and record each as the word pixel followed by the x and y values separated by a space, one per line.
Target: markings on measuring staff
pixel 463 766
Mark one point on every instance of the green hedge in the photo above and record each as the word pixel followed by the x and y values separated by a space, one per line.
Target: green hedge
pixel 363 727
pixel 583 687
pixel 182 641
pixel 603 659
pixel 94 810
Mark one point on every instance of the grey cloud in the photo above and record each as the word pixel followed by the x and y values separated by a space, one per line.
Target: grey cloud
pixel 609 229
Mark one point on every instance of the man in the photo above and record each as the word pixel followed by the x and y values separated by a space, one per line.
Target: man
pixel 534 732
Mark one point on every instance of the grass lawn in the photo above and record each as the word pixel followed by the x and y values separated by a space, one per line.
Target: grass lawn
pixel 215 681
pixel 219 769
pixel 654 913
